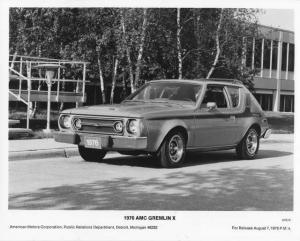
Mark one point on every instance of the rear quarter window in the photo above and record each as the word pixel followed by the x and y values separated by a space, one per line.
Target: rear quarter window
pixel 235 95
pixel 252 102
pixel 255 106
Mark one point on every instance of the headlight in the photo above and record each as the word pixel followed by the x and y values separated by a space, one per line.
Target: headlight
pixel 133 126
pixel 65 121
pixel 77 123
pixel 118 126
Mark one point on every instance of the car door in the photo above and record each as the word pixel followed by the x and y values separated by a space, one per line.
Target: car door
pixel 215 127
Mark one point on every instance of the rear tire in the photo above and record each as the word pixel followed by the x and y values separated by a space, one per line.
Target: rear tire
pixel 249 145
pixel 173 150
pixel 91 155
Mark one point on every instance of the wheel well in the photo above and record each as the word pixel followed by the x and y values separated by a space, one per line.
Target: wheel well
pixel 177 128
pixel 182 130
pixel 257 128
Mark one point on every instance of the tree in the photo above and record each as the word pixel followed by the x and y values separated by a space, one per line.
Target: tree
pixel 236 24
pixel 217 46
pixel 214 46
pixel 148 43
pixel 141 47
pixel 127 49
pixel 179 45
pixel 112 92
pixel 101 80
pixel 133 42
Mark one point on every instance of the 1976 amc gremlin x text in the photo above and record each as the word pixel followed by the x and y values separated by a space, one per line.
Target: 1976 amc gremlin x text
pixel 167 118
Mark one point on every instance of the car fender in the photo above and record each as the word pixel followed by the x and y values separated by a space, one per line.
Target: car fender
pixel 158 130
pixel 248 124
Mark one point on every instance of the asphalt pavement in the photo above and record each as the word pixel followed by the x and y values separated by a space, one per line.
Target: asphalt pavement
pixel 208 181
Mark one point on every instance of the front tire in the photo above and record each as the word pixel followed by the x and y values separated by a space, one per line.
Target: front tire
pixel 249 145
pixel 173 150
pixel 91 155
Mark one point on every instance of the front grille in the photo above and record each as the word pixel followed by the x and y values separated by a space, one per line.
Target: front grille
pixel 100 125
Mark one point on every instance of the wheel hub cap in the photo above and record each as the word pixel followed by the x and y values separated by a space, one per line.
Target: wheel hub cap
pixel 176 148
pixel 251 142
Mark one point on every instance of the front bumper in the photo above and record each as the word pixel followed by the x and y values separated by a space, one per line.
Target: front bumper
pixel 107 142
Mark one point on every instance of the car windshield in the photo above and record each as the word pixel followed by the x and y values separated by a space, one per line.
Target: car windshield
pixel 165 91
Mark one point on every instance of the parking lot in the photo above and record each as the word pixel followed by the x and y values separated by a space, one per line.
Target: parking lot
pixel 208 181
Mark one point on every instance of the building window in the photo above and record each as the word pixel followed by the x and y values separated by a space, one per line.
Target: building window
pixel 267 53
pixel 265 101
pixel 287 103
pixel 284 55
pixel 291 57
pixel 257 55
pixel 274 55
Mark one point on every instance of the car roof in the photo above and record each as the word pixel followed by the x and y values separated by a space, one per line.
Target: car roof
pixel 233 82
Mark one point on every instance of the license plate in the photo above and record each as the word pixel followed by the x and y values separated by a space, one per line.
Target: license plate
pixel 92 142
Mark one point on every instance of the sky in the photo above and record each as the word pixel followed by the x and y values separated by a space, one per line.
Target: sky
pixel 280 18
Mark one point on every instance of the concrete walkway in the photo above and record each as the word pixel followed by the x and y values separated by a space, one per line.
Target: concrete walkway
pixel 39 148
pixel 44 148
pixel 36 144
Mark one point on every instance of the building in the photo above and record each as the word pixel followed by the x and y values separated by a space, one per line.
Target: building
pixel 273 55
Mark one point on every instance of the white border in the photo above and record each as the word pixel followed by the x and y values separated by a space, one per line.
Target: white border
pixel 189 225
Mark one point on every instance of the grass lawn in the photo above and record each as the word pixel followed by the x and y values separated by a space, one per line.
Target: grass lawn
pixel 37 124
pixel 281 122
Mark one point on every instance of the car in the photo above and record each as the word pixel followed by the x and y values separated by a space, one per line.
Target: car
pixel 167 119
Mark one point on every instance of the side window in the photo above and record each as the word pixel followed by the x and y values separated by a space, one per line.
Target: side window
pixel 215 93
pixel 234 93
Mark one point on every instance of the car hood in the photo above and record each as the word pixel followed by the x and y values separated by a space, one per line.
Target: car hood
pixel 131 109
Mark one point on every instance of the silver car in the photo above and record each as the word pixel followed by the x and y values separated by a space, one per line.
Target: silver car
pixel 167 119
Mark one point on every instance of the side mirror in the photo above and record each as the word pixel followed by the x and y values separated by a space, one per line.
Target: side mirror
pixel 211 105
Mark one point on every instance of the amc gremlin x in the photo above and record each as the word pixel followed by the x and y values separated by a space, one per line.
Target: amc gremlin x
pixel 167 118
